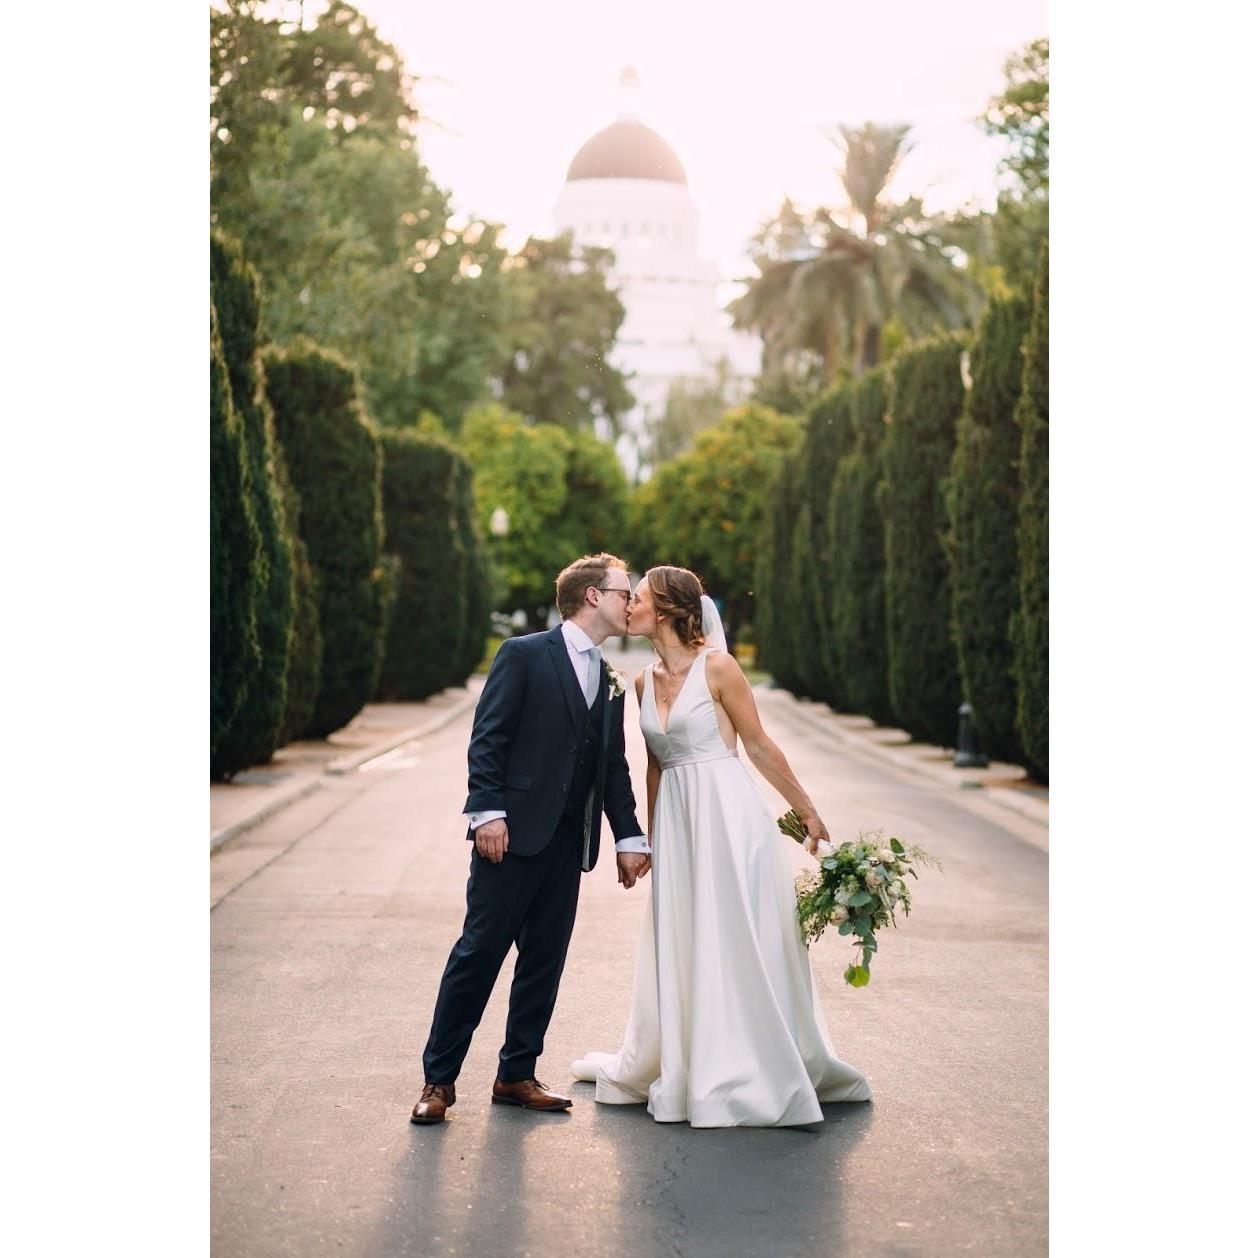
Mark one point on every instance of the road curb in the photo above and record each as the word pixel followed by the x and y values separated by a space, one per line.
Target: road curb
pixel 1005 797
pixel 338 768
pixel 281 800
pixel 355 760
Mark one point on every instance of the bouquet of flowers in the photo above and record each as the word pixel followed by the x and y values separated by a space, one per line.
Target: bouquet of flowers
pixel 858 888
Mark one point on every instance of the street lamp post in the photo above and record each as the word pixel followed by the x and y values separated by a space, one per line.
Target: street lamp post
pixel 499 527
pixel 968 753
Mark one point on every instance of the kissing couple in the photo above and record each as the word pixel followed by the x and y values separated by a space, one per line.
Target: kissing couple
pixel 725 1025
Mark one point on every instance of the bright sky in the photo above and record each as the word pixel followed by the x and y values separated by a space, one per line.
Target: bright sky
pixel 743 92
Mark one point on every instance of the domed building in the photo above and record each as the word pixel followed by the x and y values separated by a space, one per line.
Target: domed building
pixel 626 189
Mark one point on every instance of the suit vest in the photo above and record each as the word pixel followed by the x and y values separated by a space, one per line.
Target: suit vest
pixel 588 748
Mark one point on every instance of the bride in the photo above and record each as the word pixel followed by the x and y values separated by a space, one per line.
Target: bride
pixel 725 1024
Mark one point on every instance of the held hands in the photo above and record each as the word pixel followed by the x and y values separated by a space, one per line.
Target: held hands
pixel 492 840
pixel 630 866
pixel 817 832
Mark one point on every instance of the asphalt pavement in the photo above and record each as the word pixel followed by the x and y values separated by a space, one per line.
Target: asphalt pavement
pixel 332 921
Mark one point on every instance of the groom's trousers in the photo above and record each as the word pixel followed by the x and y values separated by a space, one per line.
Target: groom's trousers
pixel 529 901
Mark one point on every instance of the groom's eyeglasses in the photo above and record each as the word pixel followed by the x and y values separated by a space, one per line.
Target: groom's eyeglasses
pixel 608 589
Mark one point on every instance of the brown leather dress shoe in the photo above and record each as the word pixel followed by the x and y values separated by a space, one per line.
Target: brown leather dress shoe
pixel 433 1102
pixel 529 1094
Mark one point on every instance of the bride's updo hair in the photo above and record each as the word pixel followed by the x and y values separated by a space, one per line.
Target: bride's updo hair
pixel 676 593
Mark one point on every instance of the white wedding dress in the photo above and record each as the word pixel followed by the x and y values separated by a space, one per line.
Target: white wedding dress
pixel 725 1025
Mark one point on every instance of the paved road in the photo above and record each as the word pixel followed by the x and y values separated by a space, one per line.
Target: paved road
pixel 330 928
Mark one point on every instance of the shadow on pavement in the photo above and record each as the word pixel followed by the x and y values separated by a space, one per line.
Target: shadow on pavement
pixel 610 1180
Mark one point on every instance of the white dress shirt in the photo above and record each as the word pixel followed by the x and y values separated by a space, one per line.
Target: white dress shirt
pixel 579 649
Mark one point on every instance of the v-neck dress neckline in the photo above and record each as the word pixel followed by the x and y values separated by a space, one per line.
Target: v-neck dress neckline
pixel 655 699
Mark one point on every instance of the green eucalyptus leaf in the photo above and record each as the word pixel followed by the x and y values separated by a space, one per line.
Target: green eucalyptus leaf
pixel 860 975
pixel 896 845
pixel 845 928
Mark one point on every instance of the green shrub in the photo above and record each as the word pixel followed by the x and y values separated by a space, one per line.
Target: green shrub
pixel 333 456
pixel 523 469
pixel 427 640
pixel 707 509
pixel 235 584
pixel 981 494
pixel 1029 624
pixel 256 729
pixel 926 399
pixel 859 617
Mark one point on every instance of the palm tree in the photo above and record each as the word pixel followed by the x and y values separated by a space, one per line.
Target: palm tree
pixel 827 288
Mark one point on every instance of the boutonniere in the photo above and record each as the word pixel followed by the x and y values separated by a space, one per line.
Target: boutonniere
pixel 617 680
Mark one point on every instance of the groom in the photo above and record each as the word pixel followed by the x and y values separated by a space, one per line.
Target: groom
pixel 547 757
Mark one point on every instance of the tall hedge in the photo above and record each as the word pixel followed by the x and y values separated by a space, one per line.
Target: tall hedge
pixel 305 661
pixel 982 494
pixel 858 617
pixel 256 729
pixel 1029 625
pixel 235 584
pixel 775 637
pixel 926 398
pixel 827 436
pixel 333 456
pixel 476 575
pixel 425 494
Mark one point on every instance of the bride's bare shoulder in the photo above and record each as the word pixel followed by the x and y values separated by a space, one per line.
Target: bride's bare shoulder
pixel 722 666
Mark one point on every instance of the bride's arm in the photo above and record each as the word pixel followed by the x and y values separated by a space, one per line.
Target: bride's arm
pixel 652 771
pixel 731 690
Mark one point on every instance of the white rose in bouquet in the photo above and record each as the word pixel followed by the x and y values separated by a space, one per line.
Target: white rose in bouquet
pixel 886 855
pixel 872 879
pixel 840 913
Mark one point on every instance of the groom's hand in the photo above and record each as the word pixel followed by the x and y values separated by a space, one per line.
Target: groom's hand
pixel 491 840
pixel 630 866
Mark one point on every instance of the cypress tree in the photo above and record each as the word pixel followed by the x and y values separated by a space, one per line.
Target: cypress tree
pixel 235 584
pixel 1029 624
pixel 425 644
pixel 859 619
pixel 981 494
pixel 305 660
pixel 256 729
pixel 827 436
pixel 796 626
pixel 333 456
pixel 926 399
pixel 775 645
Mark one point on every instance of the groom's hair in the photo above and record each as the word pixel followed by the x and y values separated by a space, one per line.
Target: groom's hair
pixel 572 583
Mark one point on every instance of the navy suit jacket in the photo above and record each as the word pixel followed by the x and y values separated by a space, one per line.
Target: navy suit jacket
pixel 523 751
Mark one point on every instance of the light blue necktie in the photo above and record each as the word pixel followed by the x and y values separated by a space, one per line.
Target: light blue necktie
pixel 591 680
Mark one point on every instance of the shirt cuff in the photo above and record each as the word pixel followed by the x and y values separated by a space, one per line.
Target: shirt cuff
pixel 634 843
pixel 477 819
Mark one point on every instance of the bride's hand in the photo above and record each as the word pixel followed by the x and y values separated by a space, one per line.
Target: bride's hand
pixel 817 832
